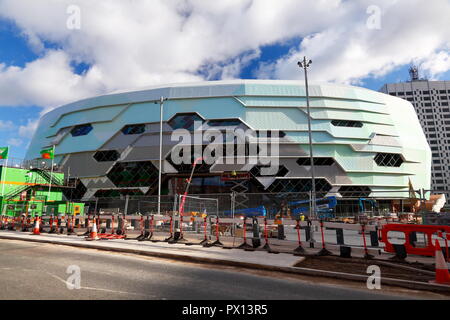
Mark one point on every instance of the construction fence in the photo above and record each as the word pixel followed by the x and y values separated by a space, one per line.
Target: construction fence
pixel 225 205
pixel 367 239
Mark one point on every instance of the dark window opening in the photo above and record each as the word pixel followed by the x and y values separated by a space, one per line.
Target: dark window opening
pixel 388 159
pixel 224 123
pixel 81 130
pixel 185 121
pixel 347 123
pixel 134 174
pixel 270 133
pixel 354 191
pixel 300 185
pixel 107 155
pixel 281 172
pixel 317 161
pixel 134 129
pixel 76 192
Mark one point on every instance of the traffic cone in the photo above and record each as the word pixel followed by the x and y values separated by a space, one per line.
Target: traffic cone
pixel 36 227
pixel 442 274
pixel 93 235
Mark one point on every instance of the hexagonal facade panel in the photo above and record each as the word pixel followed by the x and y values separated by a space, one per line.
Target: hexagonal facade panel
pixel 106 155
pixel 388 159
pixel 185 121
pixel 298 185
pixel 133 174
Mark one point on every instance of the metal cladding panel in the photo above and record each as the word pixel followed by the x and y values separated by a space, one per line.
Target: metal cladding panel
pixel 61 134
pixel 98 182
pixel 276 119
pixel 100 114
pixel 84 165
pixel 290 150
pixel 346 92
pixel 206 91
pixel 323 137
pixel 354 115
pixel 211 108
pixel 145 153
pixel 413 141
pixel 315 102
pixel 382 140
pixel 333 174
pixel 365 132
pixel 120 141
pixel 275 89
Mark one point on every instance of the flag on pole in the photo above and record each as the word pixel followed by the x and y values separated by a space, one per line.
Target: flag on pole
pixel 4 152
pixel 48 153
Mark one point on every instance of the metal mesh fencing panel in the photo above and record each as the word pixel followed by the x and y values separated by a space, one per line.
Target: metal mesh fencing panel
pixel 196 206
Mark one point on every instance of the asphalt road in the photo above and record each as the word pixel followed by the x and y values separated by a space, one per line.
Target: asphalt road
pixel 38 271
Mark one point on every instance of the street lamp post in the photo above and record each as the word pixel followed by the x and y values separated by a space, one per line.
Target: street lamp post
pixel 161 108
pixel 305 64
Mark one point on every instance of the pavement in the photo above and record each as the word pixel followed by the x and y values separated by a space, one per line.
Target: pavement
pixel 31 270
pixel 260 259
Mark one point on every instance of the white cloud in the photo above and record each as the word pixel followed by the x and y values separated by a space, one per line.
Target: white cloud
pixel 436 64
pixel 141 43
pixel 14 142
pixel 6 125
pixel 27 131
pixel 411 31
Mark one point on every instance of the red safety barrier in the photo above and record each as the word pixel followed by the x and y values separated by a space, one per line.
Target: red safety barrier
pixel 323 251
pixel 266 236
pixel 152 223
pixel 366 251
pixel 217 242
pixel 205 232
pixel 112 224
pixel 299 249
pixel 171 230
pixel 181 225
pixel 323 237
pixel 141 228
pixel 407 229
pixel 244 244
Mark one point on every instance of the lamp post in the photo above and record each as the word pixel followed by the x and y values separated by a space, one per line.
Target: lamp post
pixel 161 108
pixel 305 64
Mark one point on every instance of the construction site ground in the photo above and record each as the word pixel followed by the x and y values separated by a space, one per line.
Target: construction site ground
pixel 397 270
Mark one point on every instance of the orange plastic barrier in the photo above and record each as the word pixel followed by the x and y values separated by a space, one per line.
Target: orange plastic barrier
pixel 408 229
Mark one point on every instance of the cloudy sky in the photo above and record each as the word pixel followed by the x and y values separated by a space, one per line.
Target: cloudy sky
pixel 57 51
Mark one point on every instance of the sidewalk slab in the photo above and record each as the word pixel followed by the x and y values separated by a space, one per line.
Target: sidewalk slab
pixel 163 249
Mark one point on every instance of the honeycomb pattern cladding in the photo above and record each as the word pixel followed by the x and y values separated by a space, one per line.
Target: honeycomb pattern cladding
pixel 354 191
pixel 133 174
pixel 299 185
pixel 388 159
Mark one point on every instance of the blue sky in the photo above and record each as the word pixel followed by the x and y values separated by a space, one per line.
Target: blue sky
pixel 44 64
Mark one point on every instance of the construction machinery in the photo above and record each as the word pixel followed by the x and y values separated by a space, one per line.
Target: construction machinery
pixel 325 207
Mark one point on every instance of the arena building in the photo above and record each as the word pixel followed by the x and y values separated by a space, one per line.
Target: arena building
pixel 365 143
